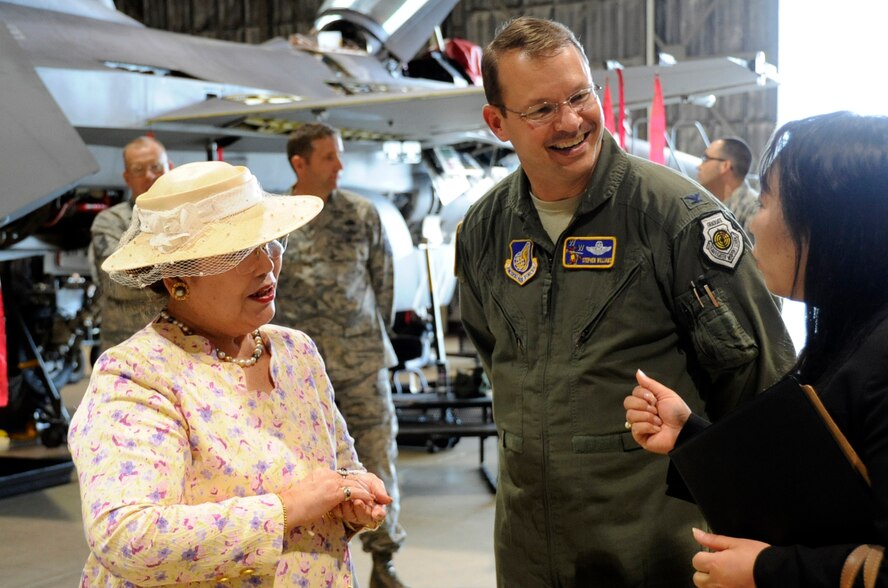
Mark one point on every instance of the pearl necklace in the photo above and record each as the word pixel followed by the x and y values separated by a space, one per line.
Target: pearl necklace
pixel 251 361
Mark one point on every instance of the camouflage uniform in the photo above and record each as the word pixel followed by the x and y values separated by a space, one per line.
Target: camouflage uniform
pixel 743 202
pixel 337 285
pixel 124 310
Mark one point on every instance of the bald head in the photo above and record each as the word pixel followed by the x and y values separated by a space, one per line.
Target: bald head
pixel 144 160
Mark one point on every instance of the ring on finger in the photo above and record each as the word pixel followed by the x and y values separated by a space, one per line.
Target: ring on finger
pixel 343 472
pixel 347 492
pixel 628 425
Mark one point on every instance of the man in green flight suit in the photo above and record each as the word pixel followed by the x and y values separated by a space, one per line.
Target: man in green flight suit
pixel 582 266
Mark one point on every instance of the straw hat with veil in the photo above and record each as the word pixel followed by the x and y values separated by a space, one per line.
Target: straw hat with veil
pixel 200 219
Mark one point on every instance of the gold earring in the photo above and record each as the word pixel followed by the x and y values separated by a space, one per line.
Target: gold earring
pixel 181 291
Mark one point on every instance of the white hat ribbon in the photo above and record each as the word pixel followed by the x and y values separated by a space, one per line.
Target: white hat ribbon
pixel 171 229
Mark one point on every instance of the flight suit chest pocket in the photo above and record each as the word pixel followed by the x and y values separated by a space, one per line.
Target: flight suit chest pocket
pixel 601 297
pixel 612 443
pixel 507 323
pixel 719 339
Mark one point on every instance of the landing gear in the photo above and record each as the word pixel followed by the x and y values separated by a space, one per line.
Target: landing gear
pixel 48 320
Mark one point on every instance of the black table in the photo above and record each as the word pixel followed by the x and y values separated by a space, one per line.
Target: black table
pixel 442 415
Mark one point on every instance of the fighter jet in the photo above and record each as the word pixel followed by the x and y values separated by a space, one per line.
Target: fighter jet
pixel 78 80
pixel 79 73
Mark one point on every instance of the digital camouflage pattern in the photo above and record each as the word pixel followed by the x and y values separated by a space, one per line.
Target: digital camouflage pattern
pixel 337 285
pixel 743 202
pixel 124 310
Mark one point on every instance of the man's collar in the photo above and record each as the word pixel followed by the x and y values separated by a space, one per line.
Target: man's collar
pixel 295 187
pixel 610 169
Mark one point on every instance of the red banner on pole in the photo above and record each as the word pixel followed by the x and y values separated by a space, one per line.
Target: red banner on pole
pixel 608 107
pixel 657 125
pixel 621 129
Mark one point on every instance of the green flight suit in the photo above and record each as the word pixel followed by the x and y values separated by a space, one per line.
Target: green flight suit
pixel 561 329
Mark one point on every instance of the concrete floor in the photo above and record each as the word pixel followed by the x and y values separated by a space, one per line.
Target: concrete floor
pixel 446 510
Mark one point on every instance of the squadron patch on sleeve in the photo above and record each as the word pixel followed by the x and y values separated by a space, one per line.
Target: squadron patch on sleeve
pixel 521 265
pixel 456 268
pixel 589 252
pixel 722 243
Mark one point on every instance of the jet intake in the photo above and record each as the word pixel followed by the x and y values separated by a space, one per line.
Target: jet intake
pixel 402 28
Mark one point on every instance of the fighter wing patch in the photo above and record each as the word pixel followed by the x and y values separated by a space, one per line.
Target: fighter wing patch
pixel 521 265
pixel 722 243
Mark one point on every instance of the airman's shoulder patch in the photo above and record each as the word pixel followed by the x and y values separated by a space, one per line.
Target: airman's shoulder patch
pixel 521 265
pixel 722 242
pixel 456 267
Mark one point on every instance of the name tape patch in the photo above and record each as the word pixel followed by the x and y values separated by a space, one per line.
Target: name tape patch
pixel 589 252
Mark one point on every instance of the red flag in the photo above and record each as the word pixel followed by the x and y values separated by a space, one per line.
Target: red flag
pixel 467 55
pixel 4 382
pixel 621 129
pixel 608 108
pixel 657 125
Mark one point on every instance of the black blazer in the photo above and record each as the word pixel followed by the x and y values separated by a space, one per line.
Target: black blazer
pixel 856 396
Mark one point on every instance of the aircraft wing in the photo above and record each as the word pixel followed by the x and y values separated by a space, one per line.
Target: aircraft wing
pixel 41 155
pixel 690 81
pixel 68 41
pixel 411 113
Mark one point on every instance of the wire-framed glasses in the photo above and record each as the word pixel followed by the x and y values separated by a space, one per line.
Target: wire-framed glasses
pixel 274 249
pixel 141 170
pixel 545 112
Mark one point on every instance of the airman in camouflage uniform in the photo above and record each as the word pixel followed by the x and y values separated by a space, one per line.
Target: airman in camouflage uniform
pixel 125 310
pixel 723 170
pixel 336 285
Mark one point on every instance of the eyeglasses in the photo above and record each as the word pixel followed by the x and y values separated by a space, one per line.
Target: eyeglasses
pixel 545 112
pixel 140 170
pixel 273 249
pixel 705 157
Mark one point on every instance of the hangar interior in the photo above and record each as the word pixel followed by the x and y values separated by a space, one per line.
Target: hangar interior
pixel 423 188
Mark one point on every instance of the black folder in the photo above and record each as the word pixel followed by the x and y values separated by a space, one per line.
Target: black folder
pixel 778 470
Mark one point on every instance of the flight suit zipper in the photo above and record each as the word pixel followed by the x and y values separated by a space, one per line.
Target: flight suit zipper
pixel 512 328
pixel 548 301
pixel 587 331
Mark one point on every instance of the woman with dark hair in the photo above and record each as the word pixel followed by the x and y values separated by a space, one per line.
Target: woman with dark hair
pixel 820 238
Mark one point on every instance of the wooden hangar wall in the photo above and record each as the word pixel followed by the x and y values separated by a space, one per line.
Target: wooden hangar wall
pixel 609 29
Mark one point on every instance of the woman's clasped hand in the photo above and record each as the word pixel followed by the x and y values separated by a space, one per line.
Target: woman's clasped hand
pixel 357 497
